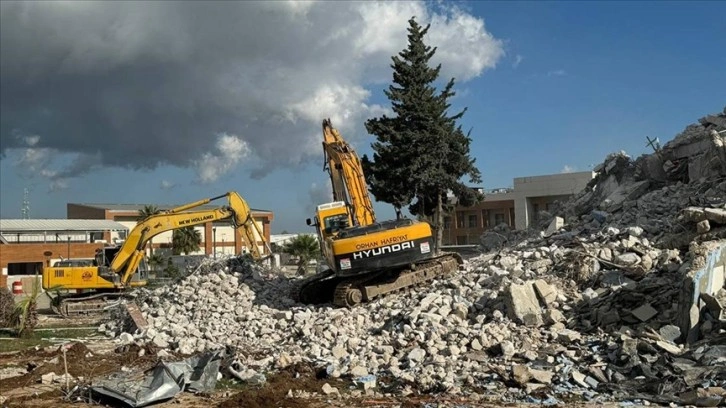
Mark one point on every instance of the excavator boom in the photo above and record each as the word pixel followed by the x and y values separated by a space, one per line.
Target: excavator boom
pixel 129 257
pixel 108 279
pixel 346 176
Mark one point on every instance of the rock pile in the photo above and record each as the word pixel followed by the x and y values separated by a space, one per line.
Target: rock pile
pixel 587 305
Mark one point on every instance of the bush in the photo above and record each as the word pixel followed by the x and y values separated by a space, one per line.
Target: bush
pixel 7 306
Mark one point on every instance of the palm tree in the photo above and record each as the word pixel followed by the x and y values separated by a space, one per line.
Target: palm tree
pixel 186 240
pixel 305 247
pixel 144 213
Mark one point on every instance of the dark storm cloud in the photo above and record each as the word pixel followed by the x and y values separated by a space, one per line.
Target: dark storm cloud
pixel 199 84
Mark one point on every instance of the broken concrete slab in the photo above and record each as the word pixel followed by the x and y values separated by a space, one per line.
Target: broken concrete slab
pixel 714 306
pixel 645 312
pixel 703 227
pixel 717 215
pixel 546 292
pixel 670 332
pixel 555 225
pixel 705 275
pixel 523 305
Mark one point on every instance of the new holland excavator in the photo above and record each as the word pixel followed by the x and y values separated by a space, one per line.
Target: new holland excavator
pixel 115 268
pixel 366 258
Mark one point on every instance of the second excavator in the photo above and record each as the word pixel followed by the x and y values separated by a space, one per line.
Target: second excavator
pixel 116 269
pixel 366 258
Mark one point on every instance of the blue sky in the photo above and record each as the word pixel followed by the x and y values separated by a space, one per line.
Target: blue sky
pixel 575 81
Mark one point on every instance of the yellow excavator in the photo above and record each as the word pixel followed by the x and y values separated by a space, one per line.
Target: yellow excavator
pixel 366 258
pixel 116 269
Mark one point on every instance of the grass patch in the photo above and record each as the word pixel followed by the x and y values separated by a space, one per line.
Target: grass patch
pixel 230 384
pixel 10 342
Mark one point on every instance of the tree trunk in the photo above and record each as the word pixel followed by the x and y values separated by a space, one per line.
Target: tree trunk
pixel 439 222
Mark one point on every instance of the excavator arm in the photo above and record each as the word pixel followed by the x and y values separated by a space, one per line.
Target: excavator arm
pixel 346 176
pixel 128 258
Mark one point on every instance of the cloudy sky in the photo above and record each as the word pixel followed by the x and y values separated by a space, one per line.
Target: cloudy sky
pixel 170 102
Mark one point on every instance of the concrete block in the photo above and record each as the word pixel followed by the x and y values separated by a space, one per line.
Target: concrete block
pixel 523 306
pixel 694 214
pixel 703 227
pixel 644 312
pixel 691 149
pixel 555 225
pixel 707 277
pixel 717 215
pixel 547 293
pixel 713 305
pixel 654 167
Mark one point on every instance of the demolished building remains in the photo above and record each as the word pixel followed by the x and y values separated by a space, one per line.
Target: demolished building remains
pixel 617 295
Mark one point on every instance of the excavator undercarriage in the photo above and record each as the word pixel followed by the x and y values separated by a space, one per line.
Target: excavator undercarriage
pixel 84 304
pixel 326 287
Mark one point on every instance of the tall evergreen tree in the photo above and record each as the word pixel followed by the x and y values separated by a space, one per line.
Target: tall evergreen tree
pixel 420 154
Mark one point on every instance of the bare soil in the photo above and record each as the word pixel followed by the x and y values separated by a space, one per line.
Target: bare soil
pixel 95 357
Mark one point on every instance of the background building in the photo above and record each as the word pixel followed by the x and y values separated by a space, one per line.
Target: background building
pixel 27 245
pixel 516 207
pixel 217 237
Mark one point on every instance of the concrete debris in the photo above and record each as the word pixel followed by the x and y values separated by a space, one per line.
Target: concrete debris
pixel 618 296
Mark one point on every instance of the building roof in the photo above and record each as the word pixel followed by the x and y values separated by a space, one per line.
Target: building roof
pixel 15 225
pixel 136 207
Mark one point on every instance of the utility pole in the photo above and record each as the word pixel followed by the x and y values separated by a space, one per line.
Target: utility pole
pixel 25 209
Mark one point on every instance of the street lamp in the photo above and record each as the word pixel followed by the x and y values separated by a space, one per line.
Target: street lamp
pixel 214 241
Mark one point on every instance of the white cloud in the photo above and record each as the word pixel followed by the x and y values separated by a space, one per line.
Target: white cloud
pixel 466 49
pixel 567 169
pixel 58 185
pixel 556 72
pixel 167 185
pixel 517 60
pixel 229 151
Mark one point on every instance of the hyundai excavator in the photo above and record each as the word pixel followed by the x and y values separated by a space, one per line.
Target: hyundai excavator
pixel 366 258
pixel 115 269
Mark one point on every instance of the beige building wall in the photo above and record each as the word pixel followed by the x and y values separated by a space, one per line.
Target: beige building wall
pixel 516 207
pixel 533 193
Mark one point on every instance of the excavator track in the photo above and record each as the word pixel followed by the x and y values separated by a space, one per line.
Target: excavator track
pixel 72 306
pixel 315 289
pixel 348 292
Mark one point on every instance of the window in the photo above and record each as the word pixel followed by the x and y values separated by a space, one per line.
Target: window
pixel 447 222
pixel 485 218
pixel 460 219
pixel 536 211
pixel 336 222
pixel 25 268
pixel 498 218
pixel 472 221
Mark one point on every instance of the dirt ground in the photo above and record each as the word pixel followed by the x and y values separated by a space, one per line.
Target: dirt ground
pixel 93 357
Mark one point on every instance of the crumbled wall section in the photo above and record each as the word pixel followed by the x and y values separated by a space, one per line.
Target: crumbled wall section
pixel 706 275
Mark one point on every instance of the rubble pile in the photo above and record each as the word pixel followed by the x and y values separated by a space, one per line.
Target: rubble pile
pixel 588 306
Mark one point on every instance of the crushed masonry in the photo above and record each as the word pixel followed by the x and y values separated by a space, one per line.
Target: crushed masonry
pixel 616 294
